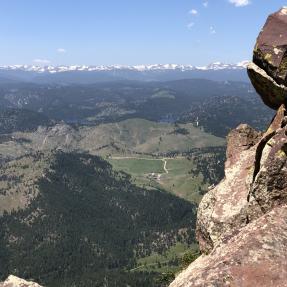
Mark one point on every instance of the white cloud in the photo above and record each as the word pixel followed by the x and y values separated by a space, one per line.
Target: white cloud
pixel 205 4
pixel 61 50
pixel 41 61
pixel 190 25
pixel 212 30
pixel 193 12
pixel 240 3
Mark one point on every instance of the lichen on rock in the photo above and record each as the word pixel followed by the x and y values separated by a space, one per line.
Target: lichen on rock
pixel 268 72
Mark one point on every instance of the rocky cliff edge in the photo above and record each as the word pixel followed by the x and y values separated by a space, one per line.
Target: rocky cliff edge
pixel 242 222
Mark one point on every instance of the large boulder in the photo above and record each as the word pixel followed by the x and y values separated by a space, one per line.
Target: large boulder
pixel 268 72
pixel 271 93
pixel 255 182
pixel 224 208
pixel 13 281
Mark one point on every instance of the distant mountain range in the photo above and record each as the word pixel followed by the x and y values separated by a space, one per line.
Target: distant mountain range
pixel 139 68
pixel 90 74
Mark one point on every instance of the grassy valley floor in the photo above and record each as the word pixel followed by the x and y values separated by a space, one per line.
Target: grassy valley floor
pixel 143 164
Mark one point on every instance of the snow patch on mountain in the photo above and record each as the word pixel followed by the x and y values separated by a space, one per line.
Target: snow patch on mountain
pixel 137 68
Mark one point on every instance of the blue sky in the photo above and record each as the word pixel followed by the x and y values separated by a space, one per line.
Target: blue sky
pixel 128 32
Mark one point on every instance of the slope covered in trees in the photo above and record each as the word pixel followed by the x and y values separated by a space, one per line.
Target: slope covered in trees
pixel 89 224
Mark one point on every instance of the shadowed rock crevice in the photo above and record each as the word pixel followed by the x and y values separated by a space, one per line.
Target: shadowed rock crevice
pixel 258 155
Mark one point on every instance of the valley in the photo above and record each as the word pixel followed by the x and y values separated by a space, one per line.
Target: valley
pixel 154 154
pixel 106 178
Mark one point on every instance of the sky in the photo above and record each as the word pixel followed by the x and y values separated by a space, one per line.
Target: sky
pixel 130 32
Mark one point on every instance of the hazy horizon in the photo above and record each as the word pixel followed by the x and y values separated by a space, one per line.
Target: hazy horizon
pixel 121 65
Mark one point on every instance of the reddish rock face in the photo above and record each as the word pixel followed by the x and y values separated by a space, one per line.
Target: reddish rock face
pixel 269 186
pixel 256 256
pixel 224 209
pixel 270 53
pixel 242 222
pixel 239 140
pixel 255 182
pixel 268 72
pixel 271 93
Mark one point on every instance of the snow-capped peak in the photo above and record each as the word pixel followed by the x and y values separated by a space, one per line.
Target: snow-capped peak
pixel 137 68
pixel 223 66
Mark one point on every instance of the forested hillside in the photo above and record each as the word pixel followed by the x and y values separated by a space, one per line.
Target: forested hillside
pixel 201 102
pixel 88 225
